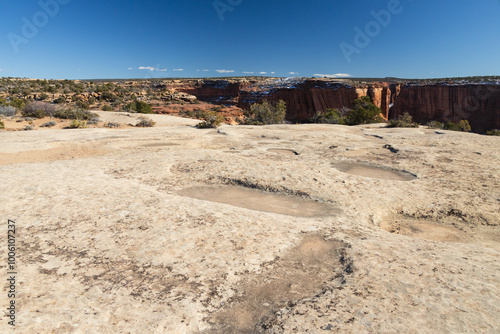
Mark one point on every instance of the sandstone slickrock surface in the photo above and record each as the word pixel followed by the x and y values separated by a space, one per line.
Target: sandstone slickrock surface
pixel 108 243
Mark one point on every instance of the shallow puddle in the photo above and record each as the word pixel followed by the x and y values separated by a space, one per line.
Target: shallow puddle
pixel 283 151
pixel 424 230
pixel 299 274
pixel 383 173
pixel 261 201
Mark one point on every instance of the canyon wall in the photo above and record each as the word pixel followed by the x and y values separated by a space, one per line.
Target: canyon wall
pixel 477 103
pixel 215 91
pixel 305 98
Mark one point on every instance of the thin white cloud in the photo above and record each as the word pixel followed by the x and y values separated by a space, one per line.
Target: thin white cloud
pixel 178 69
pixel 248 72
pixel 130 68
pixel 205 70
pixel 293 73
pixel 333 76
pixel 225 71
pixel 262 72
pixel 273 72
pixel 151 68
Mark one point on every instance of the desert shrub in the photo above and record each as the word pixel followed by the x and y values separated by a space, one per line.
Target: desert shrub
pixel 48 124
pixel 60 100
pixel 363 112
pixel 145 122
pixel 28 128
pixel 75 113
pixel 7 111
pixel 39 109
pixel 212 119
pixel 463 126
pixel 19 104
pixel 111 125
pixel 107 107
pixel 331 116
pixel 196 113
pixel 265 113
pixel 435 125
pixel 77 124
pixel 494 132
pixel 82 105
pixel 403 121
pixel 43 96
pixel 108 96
pixel 95 120
pixel 140 107
pixel 2 125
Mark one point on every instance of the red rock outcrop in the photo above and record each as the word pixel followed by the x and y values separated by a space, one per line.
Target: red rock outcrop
pixel 304 98
pixel 215 91
pixel 477 103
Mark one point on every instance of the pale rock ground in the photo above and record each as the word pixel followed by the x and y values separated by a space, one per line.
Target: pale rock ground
pixel 106 243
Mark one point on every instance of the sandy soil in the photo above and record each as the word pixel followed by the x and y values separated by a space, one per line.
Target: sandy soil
pixel 112 236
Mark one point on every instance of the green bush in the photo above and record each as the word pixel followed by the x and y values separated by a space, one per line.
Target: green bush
pixel 435 125
pixel 331 116
pixel 145 122
pixel 212 119
pixel 403 121
pixel 19 104
pixel 107 107
pixel 77 124
pixel 363 112
pixel 494 132
pixel 463 126
pixel 82 105
pixel 2 125
pixel 60 100
pixel 265 113
pixel 140 107
pixel 75 113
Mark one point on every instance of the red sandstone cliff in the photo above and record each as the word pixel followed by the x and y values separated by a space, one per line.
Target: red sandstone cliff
pixel 305 97
pixel 215 91
pixel 477 103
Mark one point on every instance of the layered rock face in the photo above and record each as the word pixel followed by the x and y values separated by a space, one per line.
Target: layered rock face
pixel 477 103
pixel 306 97
pixel 216 91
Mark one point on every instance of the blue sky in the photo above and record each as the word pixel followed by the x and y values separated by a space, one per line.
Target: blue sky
pixel 89 39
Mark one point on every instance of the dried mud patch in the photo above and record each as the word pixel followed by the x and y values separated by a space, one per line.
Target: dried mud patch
pixel 372 171
pixel 301 273
pixel 261 201
pixel 63 152
pixel 423 229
